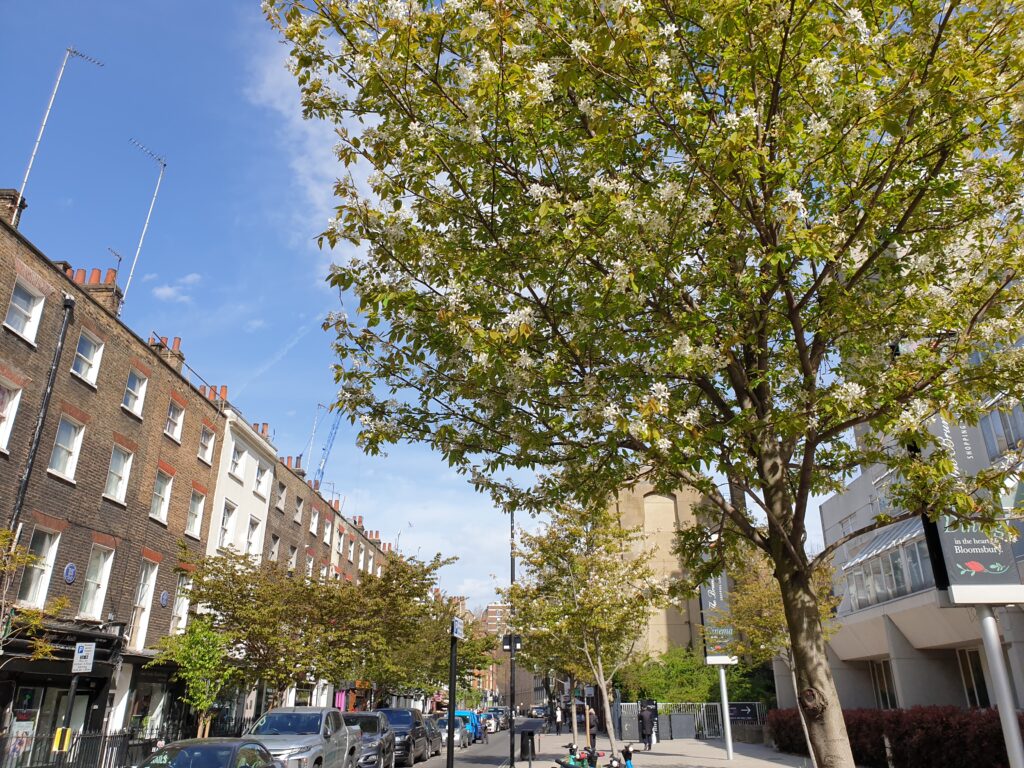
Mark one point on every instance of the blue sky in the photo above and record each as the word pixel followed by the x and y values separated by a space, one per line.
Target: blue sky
pixel 229 263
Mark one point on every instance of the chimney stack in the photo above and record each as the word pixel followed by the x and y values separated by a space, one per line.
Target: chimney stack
pixel 171 352
pixel 8 199
pixel 288 462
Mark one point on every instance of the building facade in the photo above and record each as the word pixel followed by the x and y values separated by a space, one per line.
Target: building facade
pixel 899 642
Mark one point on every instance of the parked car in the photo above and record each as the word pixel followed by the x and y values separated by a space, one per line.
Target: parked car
pixel 501 715
pixel 377 736
pixel 305 737
pixel 212 753
pixel 461 739
pixel 538 711
pixel 410 734
pixel 489 721
pixel 472 724
pixel 433 736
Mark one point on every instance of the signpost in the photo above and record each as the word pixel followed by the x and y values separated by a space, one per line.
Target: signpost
pixel 84 655
pixel 714 596
pixel 458 633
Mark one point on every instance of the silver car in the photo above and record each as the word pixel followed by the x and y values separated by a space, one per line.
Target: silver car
pixel 308 737
pixel 461 734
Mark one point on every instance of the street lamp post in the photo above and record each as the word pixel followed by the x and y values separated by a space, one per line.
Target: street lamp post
pixel 512 647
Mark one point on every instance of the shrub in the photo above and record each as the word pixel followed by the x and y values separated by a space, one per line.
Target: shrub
pixel 920 737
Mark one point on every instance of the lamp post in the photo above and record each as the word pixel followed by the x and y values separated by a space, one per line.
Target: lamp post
pixel 512 647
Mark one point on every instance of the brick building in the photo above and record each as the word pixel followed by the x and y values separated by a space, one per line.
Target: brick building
pixel 121 471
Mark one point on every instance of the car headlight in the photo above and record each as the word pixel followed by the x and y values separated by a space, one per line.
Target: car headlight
pixel 298 751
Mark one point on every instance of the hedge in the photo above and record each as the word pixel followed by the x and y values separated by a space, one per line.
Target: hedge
pixel 920 737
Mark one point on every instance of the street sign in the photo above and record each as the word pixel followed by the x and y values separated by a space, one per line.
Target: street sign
pixel 506 642
pixel 743 711
pixel 714 598
pixel 458 631
pixel 84 654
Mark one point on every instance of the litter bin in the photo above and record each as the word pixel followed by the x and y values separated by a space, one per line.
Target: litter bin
pixel 526 747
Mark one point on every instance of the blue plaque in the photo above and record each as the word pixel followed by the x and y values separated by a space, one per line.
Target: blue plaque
pixel 70 573
pixel 164 599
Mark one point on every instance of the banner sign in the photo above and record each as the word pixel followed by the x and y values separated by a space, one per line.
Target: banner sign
pixel 975 568
pixel 714 600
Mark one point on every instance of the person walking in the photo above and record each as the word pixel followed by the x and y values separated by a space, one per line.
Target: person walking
pixel 558 721
pixel 647 726
pixel 592 717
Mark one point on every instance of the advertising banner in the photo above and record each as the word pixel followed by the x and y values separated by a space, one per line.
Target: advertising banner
pixel 973 567
pixel 714 600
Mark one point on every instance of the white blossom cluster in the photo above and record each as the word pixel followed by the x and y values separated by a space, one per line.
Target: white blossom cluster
pixel 849 394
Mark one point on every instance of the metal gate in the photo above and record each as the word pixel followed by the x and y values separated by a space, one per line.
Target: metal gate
pixel 707 717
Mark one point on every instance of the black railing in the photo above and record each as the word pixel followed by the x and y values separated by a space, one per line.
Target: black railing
pixel 121 749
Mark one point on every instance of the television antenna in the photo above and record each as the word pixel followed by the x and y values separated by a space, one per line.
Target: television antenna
pixel 160 161
pixel 68 53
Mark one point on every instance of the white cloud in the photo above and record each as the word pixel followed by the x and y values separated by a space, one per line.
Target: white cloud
pixel 255 324
pixel 192 278
pixel 171 293
pixel 281 353
pixel 149 276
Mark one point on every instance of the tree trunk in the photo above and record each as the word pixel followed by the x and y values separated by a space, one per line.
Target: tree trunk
pixel 817 696
pixel 799 710
pixel 602 684
pixel 572 713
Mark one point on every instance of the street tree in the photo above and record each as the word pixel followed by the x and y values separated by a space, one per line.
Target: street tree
pixel 202 659
pixel 586 589
pixel 680 241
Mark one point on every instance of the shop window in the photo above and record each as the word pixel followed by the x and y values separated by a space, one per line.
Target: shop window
pixel 973 677
pixel 882 682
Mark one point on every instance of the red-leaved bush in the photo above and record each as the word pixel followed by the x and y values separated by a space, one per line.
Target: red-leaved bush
pixel 920 737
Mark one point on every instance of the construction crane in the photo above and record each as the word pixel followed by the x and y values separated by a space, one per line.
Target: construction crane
pixel 319 476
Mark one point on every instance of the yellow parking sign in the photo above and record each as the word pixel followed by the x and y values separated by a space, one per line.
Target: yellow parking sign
pixel 62 740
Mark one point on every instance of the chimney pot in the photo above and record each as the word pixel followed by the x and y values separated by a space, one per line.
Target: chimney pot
pixel 69 272
pixel 111 276
pixel 224 392
pixel 337 505
pixel 176 344
pixel 288 462
pixel 202 390
pixel 316 485
pixel 80 276
pixel 94 277
pixel 255 427
pixel 212 393
pixel 163 341
pixel 8 199
pixel 265 431
pixel 298 461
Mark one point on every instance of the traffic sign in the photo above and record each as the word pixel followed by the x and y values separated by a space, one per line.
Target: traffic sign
pixel 84 654
pixel 458 631
pixel 743 711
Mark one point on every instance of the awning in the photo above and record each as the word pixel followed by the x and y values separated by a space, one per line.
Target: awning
pixel 888 538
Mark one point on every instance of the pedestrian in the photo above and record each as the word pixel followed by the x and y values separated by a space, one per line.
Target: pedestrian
pixel 647 715
pixel 592 715
pixel 558 721
pixel 627 755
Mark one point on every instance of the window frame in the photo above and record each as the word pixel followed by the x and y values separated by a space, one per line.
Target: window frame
pixel 237 468
pixel 261 483
pixel 275 548
pixel 139 395
pixel 252 536
pixel 293 557
pixel 8 412
pixel 34 314
pixel 40 585
pixel 68 472
pixel 227 520
pixel 102 581
pixel 314 521
pixel 300 504
pixel 205 453
pixel 142 604
pixel 165 501
pixel 282 496
pixel 180 606
pixel 92 372
pixel 197 533
pixel 122 493
pixel 178 425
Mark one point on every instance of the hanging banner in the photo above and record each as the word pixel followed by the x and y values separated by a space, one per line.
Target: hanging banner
pixel 714 600
pixel 973 567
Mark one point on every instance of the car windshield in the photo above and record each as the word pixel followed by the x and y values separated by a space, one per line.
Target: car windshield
pixel 398 716
pixel 367 723
pixel 301 723
pixel 194 756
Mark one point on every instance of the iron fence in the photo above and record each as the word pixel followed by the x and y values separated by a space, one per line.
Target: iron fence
pixel 121 749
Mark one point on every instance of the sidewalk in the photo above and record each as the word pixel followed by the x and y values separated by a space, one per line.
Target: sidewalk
pixel 675 753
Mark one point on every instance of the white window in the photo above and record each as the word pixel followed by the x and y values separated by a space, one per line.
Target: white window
pixel 9 399
pixel 24 311
pixel 252 537
pixel 87 357
pixel 282 495
pixel 314 521
pixel 327 533
pixel 66 446
pixel 297 517
pixel 351 550
pixel 262 479
pixel 380 568
pixel 117 474
pixel 293 558
pixel 339 542
pixel 206 438
pixel 194 522
pixel 143 603
pixel 97 576
pixel 227 522
pixel 161 496
pixel 237 455
pixel 362 558
pixel 369 563
pixel 310 564
pixel 36 579
pixel 179 613
pixel 323 572
pixel 275 547
pixel 134 392
pixel 175 415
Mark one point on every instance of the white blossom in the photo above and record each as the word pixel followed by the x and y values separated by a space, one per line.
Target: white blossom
pixel 611 413
pixel 818 126
pixel 855 19
pixel 794 199
pixel 913 417
pixel 663 444
pixel 479 19
pixel 539 192
pixel 821 72
pixel 689 419
pixel 660 393
pixel 687 99
pixel 620 274
pixel 682 346
pixel 849 393
pixel 579 47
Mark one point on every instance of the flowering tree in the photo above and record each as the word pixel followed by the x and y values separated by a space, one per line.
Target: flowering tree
pixel 585 598
pixel 671 239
